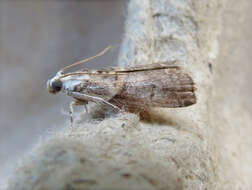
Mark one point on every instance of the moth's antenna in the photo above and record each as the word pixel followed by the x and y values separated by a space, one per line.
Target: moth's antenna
pixel 86 60
pixel 79 73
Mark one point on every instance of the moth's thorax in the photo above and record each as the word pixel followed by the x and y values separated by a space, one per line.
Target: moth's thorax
pixel 71 82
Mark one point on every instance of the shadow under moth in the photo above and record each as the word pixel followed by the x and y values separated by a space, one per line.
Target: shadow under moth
pixel 133 88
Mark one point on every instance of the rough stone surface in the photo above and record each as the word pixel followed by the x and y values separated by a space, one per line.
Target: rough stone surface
pixel 206 146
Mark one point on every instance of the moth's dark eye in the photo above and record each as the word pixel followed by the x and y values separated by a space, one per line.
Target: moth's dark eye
pixel 56 85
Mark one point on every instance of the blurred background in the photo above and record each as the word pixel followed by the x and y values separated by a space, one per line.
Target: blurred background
pixel 37 38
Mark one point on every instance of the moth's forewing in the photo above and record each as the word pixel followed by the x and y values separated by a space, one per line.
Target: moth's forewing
pixel 160 87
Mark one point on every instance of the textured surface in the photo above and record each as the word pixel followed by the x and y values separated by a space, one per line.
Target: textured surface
pixel 206 146
pixel 232 109
pixel 117 153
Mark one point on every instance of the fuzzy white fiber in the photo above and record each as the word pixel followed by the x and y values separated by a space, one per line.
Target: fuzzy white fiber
pixel 205 146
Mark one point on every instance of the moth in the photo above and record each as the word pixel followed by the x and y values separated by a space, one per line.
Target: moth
pixel 133 88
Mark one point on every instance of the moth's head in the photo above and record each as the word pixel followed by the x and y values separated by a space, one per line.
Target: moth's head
pixel 54 85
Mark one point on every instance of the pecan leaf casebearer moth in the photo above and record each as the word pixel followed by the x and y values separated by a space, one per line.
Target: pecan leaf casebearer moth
pixel 127 88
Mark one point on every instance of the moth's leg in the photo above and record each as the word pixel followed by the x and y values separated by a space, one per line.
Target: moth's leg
pixel 76 103
pixel 71 110
pixel 86 109
pixel 86 97
pixel 81 103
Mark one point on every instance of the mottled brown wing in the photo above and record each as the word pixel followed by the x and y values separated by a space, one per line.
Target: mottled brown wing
pixel 166 87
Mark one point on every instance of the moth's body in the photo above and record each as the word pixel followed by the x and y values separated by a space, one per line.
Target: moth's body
pixel 130 88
